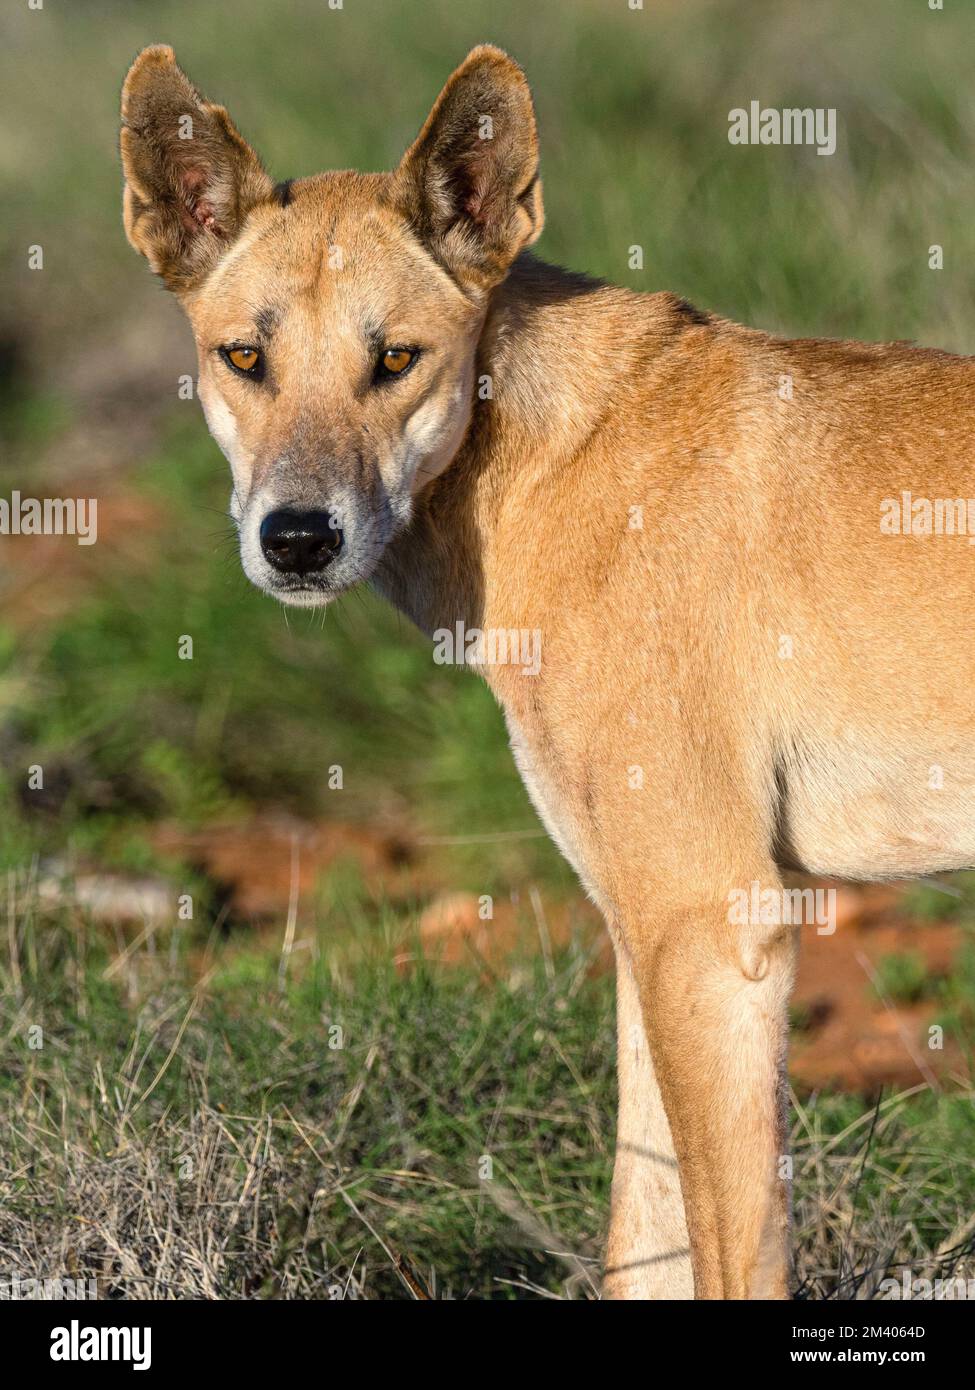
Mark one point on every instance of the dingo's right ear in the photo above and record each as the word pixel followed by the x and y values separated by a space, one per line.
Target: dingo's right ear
pixel 190 177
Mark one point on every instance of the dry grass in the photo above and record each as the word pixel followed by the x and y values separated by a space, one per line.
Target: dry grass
pixel 179 1136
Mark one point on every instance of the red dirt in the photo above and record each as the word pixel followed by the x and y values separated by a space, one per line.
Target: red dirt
pixel 858 1041
pixel 44 576
pixel 852 1039
pixel 259 865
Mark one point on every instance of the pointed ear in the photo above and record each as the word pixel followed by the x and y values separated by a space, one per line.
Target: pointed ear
pixel 190 177
pixel 469 184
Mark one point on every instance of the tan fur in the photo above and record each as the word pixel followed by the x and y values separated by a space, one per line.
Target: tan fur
pixel 755 676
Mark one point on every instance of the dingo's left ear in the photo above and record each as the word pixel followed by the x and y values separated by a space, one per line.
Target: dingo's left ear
pixel 190 177
pixel 470 183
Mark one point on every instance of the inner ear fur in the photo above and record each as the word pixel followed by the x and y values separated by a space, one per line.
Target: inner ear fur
pixel 190 177
pixel 469 184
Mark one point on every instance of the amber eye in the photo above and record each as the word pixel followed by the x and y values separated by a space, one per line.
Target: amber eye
pixel 395 361
pixel 245 359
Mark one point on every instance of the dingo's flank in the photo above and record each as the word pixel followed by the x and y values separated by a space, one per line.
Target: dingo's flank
pixel 673 537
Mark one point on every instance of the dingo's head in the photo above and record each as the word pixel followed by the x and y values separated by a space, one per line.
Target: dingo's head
pixel 336 317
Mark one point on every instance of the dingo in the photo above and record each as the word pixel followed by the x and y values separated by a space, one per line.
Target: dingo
pixel 739 668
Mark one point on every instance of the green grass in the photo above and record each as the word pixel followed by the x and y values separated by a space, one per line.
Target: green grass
pixel 223 1139
pixel 433 1076
pixel 904 977
pixel 951 900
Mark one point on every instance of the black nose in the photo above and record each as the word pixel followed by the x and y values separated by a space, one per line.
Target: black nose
pixel 300 542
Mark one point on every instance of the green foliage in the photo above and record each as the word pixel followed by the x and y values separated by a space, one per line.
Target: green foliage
pixel 903 977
